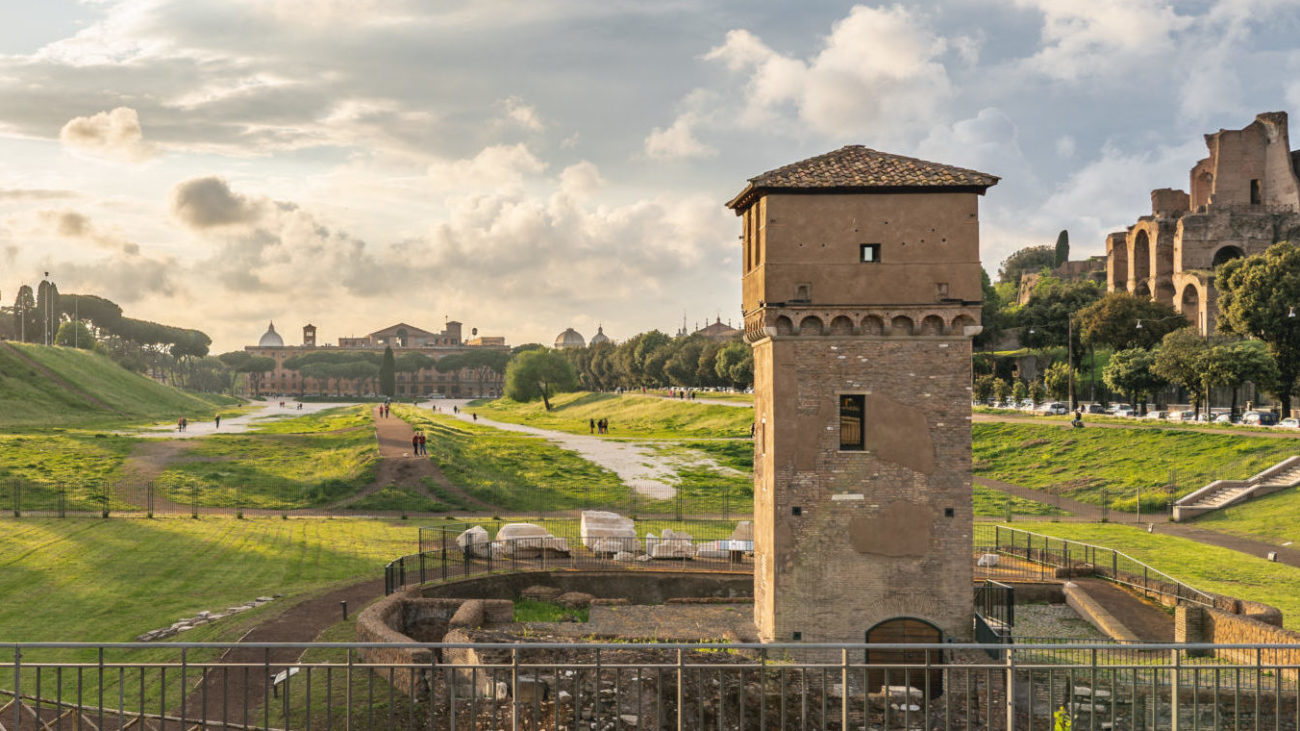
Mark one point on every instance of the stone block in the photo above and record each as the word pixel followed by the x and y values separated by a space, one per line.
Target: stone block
pixel 574 600
pixel 539 593
pixel 606 532
pixel 475 542
pixel 671 545
pixel 470 614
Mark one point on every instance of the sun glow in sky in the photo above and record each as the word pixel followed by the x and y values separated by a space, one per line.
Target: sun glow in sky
pixel 527 167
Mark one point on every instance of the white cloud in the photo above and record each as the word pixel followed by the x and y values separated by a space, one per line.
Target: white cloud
pixel 522 114
pixel 678 140
pixel 114 134
pixel 495 166
pixel 203 203
pixel 1102 37
pixel 878 71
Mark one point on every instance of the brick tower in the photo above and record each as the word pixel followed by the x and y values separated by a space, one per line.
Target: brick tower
pixel 861 293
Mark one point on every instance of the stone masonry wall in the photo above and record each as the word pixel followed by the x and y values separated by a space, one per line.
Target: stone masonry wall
pixel 882 533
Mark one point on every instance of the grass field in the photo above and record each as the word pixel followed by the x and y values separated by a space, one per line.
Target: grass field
pixel 630 416
pixel 35 467
pixel 1081 463
pixel 1272 517
pixel 1204 567
pixel 335 419
pixel 29 398
pixel 729 396
pixel 513 471
pixel 273 471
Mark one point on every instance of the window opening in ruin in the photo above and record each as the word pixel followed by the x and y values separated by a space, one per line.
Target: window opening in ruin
pixel 803 293
pixel 869 253
pixel 853 408
pixel 1255 196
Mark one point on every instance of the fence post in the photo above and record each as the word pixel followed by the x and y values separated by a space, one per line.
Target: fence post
pixel 1011 689
pixel 844 688
pixel 149 498
pixel 681 690
pixel 63 501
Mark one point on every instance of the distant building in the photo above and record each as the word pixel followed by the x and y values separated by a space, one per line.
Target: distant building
pixel 402 338
pixel 600 336
pixel 1093 268
pixel 570 338
pixel 1245 197
pixel 716 330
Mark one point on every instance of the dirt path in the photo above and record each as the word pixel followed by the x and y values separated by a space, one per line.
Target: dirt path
pixel 399 466
pixel 1149 623
pixel 302 622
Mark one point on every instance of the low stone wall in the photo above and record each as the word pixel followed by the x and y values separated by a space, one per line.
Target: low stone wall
pixel 638 587
pixel 406 617
pixel 1202 624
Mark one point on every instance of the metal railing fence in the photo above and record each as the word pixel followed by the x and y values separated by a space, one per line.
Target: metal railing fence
pixel 1026 555
pixel 200 686
pixel 440 557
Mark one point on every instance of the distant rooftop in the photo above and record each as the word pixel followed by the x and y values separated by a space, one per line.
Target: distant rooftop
pixel 858 168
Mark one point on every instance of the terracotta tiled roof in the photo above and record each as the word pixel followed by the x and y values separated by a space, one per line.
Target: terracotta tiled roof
pixel 862 168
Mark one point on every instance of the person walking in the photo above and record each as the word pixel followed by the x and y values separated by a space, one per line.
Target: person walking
pixel 592 425
pixel 415 444
pixel 217 421
pixel 423 449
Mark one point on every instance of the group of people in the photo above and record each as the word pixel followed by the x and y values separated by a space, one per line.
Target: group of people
pixel 417 444
pixel 597 427
pixel 181 423
pixel 681 393
pixel 384 410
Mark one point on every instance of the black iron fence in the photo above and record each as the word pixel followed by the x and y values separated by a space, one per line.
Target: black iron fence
pixel 620 686
pixel 1003 552
pixel 453 551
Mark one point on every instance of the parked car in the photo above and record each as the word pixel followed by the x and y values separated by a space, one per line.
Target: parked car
pixel 1055 408
pixel 1094 409
pixel 1226 419
pixel 1126 412
pixel 1116 408
pixel 1026 405
pixel 1289 423
pixel 1259 418
pixel 1162 415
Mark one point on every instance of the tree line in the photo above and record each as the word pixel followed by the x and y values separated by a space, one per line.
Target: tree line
pixel 1147 345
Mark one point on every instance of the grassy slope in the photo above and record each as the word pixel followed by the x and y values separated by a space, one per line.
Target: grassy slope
pixel 1205 567
pixel 633 416
pixel 28 398
pixel 1270 517
pixel 1081 462
pixel 117 578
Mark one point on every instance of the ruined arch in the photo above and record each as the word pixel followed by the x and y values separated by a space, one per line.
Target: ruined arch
pixel 900 325
pixel 811 325
pixel 1165 293
pixel 932 325
pixel 841 325
pixel 873 325
pixel 1142 288
pixel 1227 254
pixel 1118 267
pixel 1141 260
pixel 784 326
pixel 960 323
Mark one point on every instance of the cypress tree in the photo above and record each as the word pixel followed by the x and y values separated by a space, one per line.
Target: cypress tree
pixel 1062 248
pixel 388 374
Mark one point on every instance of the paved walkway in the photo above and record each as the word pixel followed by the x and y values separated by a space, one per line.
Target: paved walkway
pixel 260 413
pixel 638 465
pixel 1148 622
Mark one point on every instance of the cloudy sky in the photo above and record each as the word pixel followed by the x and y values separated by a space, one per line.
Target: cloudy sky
pixel 528 166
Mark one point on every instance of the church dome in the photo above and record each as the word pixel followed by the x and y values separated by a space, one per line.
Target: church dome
pixel 600 336
pixel 271 339
pixel 569 339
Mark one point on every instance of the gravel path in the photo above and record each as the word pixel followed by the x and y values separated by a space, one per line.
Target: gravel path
pixel 638 465
pixel 235 424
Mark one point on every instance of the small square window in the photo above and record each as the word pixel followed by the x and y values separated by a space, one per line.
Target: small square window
pixel 853 409
pixel 796 510
pixel 948 512
pixel 796 636
pixel 869 253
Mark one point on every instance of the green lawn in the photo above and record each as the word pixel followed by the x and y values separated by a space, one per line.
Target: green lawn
pixel 990 503
pixel 35 467
pixel 514 471
pixel 400 499
pixel 273 471
pixel 1081 463
pixel 340 417
pixel 1273 517
pixel 28 398
pixel 730 396
pixel 630 416
pixel 1204 567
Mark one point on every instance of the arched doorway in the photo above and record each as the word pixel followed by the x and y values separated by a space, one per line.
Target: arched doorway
pixel 1226 254
pixel 1140 262
pixel 911 631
